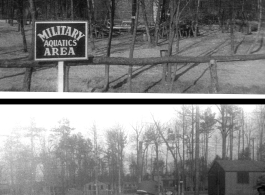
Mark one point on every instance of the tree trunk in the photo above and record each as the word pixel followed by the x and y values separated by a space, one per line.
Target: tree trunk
pixel 11 12
pixel 21 24
pixel 250 50
pixel 206 148
pixel 223 146
pixel 197 17
pixel 231 139
pixel 197 151
pixel 28 73
pixel 238 147
pixel 192 145
pixel 177 26
pixel 261 132
pixel 72 9
pixel 132 47
pixel 134 2
pixel 171 37
pixel 157 23
pixel 243 131
pixel 232 28
pixel 112 12
pixel 183 141
pixel 91 21
pixel 25 49
pixel 176 18
pixel 157 168
pixel 146 23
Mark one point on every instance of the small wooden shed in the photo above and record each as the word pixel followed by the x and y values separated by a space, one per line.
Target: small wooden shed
pixel 234 177
pixel 103 188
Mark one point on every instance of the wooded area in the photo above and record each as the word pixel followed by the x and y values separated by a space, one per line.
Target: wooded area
pixel 182 149
pixel 173 19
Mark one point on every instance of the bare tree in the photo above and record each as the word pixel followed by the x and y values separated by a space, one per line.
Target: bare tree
pixel 158 18
pixel 20 19
pixel 132 46
pixel 90 9
pixel 208 121
pixel 224 128
pixel 197 151
pixel 138 129
pixel 28 73
pixel 250 50
pixel 116 141
pixel 147 29
pixel 111 8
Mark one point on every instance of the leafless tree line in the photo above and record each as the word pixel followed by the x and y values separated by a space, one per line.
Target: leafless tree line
pixel 179 148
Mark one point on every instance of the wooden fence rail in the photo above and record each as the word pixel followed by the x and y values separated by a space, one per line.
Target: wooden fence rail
pixel 98 60
pixel 92 60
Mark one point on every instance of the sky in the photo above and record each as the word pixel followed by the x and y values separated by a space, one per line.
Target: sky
pixel 82 117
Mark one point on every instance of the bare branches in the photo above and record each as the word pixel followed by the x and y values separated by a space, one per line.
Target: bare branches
pixel 163 137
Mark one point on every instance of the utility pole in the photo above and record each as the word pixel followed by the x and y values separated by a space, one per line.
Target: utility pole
pixel 197 138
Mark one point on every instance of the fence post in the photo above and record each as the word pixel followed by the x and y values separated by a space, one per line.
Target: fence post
pixel 66 77
pixel 214 77
pixel 163 53
pixel 169 71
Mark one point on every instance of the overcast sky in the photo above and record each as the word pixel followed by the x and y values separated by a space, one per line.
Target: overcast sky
pixel 82 117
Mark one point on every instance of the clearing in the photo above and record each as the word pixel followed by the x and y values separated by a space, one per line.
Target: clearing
pixel 245 77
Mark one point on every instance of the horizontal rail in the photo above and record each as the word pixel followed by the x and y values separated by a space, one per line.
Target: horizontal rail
pixel 99 60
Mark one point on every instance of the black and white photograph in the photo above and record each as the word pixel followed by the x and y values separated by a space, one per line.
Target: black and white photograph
pixel 148 149
pixel 132 46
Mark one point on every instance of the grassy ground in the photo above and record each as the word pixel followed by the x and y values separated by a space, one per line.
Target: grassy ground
pixel 246 77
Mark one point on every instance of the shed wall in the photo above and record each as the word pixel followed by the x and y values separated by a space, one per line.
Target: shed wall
pixel 216 180
pixel 233 188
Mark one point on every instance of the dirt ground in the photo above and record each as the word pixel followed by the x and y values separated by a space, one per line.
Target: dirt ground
pixel 246 77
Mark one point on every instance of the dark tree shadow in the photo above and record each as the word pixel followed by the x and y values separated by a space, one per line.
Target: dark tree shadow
pixel 240 43
pixel 260 46
pixel 124 81
pixel 195 82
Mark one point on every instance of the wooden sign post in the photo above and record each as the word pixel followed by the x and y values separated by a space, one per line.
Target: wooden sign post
pixel 61 41
pixel 61 76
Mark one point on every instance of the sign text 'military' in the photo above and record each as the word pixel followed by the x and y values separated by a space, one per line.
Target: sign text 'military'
pixel 61 40
pixel 61 30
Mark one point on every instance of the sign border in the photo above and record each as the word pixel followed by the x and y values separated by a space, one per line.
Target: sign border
pixel 61 59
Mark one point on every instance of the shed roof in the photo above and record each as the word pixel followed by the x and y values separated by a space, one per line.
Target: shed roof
pixel 242 165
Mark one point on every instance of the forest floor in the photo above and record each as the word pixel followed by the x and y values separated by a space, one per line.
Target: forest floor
pixel 245 77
